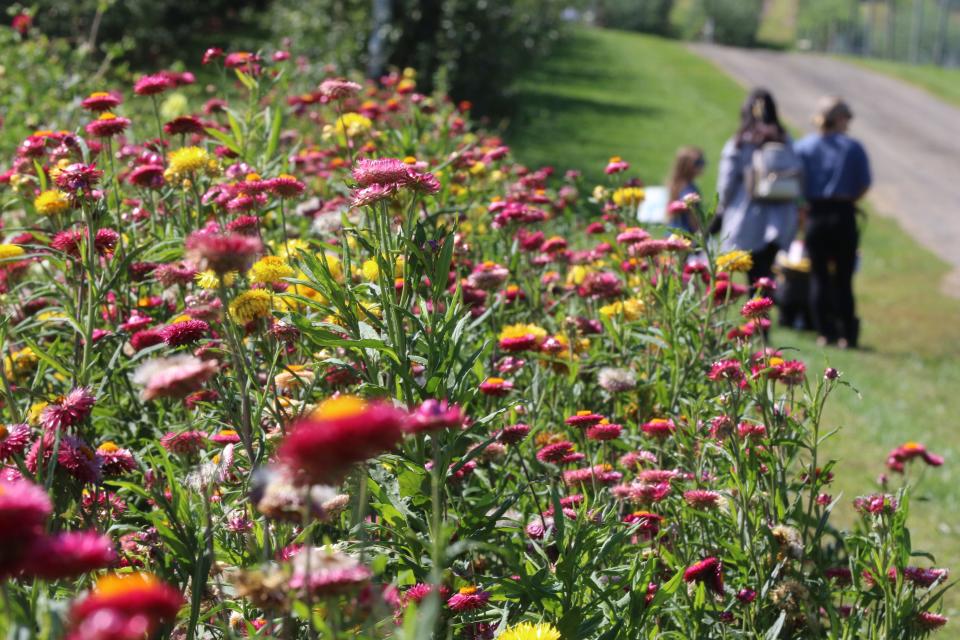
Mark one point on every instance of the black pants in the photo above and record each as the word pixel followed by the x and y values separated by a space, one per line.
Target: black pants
pixel 762 263
pixel 831 241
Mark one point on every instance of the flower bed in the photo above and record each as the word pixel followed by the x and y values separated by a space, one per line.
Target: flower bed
pixel 322 361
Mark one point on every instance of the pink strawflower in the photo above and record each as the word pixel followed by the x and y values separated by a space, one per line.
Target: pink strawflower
pixel 930 621
pixel 286 186
pixel 24 509
pixel 726 370
pixel 380 171
pixel 616 165
pixel 555 453
pixel 222 252
pixel 709 571
pixel 115 460
pixel 925 578
pixel 604 431
pixel 496 387
pixel 702 498
pixel 184 332
pixel 147 176
pixel 107 126
pixel 327 573
pixel 632 235
pixel 184 125
pixel 371 195
pixel 635 459
pixel 583 419
pixel 897 458
pixel 876 504
pixel 433 415
pixel 756 308
pixel 514 433
pixel 338 88
pixel 184 443
pixel 101 101
pixel 600 474
pixel 13 440
pixel 173 377
pixel 68 555
pixel 152 85
pixel 468 599
pixel 659 428
pixel 75 407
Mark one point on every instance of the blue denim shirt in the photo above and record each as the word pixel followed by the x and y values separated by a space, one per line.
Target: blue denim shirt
pixel 835 166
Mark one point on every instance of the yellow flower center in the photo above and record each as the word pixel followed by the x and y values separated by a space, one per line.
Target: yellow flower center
pixel 117 584
pixel 108 447
pixel 340 407
pixel 468 591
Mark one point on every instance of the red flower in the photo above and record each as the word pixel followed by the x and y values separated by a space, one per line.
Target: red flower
pixel 101 101
pixel 555 453
pixel 107 125
pixel 342 432
pixel 604 431
pixel 584 419
pixel 659 428
pixel 929 621
pixel 709 571
pixel 184 125
pixel 147 176
pixel 24 508
pixel 13 439
pixel 125 607
pixel 514 433
pixel 756 308
pixel 433 415
pixel 496 387
pixel 726 370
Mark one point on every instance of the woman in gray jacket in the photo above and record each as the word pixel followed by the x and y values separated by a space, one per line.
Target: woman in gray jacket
pixel 761 227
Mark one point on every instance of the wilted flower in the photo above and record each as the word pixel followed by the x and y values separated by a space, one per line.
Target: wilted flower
pixel 615 380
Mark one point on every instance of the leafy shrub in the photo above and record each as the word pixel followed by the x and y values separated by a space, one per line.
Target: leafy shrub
pixel 649 16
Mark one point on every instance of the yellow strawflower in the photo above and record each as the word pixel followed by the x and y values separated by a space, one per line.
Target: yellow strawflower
pixel 20 363
pixel 10 251
pixel 530 631
pixel 370 270
pixel 270 269
pixel 250 305
pixel 352 125
pixel 51 202
pixel 523 330
pixel 186 161
pixel 628 196
pixel 208 279
pixel 735 261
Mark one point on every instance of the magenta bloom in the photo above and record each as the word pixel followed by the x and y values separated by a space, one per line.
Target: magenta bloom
pixel 24 508
pixel 434 415
pixel 148 176
pixel 116 461
pixel 380 171
pixel 659 428
pixel 184 443
pixel 13 439
pixel 286 186
pixel 632 235
pixel 756 308
pixel 185 332
pixel 152 85
pixel 173 377
pixel 322 450
pixel 604 431
pixel 702 498
pixel 68 555
pixel 101 101
pixel 222 252
pixel 69 412
pixel 327 573
pixel 616 165
pixel 924 577
pixel 583 419
pixel 78 178
pixel 709 571
pixel 184 125
pixel 930 621
pixel 876 504
pixel 897 458
pixel 496 387
pixel 514 433
pixel 555 453
pixel 107 127
pixel 372 194
pixel 726 370
pixel 468 599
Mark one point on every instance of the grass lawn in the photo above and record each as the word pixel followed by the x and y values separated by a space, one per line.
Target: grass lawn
pixel 940 81
pixel 608 93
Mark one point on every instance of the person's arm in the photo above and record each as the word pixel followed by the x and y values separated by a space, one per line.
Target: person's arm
pixel 863 170
pixel 729 174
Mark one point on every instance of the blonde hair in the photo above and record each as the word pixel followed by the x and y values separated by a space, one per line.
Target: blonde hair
pixel 684 169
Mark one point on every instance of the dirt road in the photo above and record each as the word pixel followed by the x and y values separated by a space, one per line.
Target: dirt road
pixel 912 137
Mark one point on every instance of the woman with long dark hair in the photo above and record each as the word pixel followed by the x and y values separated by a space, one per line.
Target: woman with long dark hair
pixel 759 183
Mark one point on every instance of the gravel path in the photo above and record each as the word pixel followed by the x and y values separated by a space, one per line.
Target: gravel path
pixel 913 138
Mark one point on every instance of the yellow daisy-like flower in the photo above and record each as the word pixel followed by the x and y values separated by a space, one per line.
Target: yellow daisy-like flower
pixel 370 270
pixel 735 261
pixel 51 202
pixel 522 330
pixel 333 264
pixel 270 269
pixel 352 125
pixel 10 251
pixel 186 161
pixel 628 196
pixel 208 279
pixel 577 274
pixel 530 631
pixel 250 305
pixel 33 414
pixel 292 248
pixel 20 363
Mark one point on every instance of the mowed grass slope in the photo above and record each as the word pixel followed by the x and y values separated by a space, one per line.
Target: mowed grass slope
pixel 640 97
pixel 940 81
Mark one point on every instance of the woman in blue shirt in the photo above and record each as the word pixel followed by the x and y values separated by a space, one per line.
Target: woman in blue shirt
pixel 837 174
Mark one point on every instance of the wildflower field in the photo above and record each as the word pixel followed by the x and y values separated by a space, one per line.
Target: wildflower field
pixel 319 359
